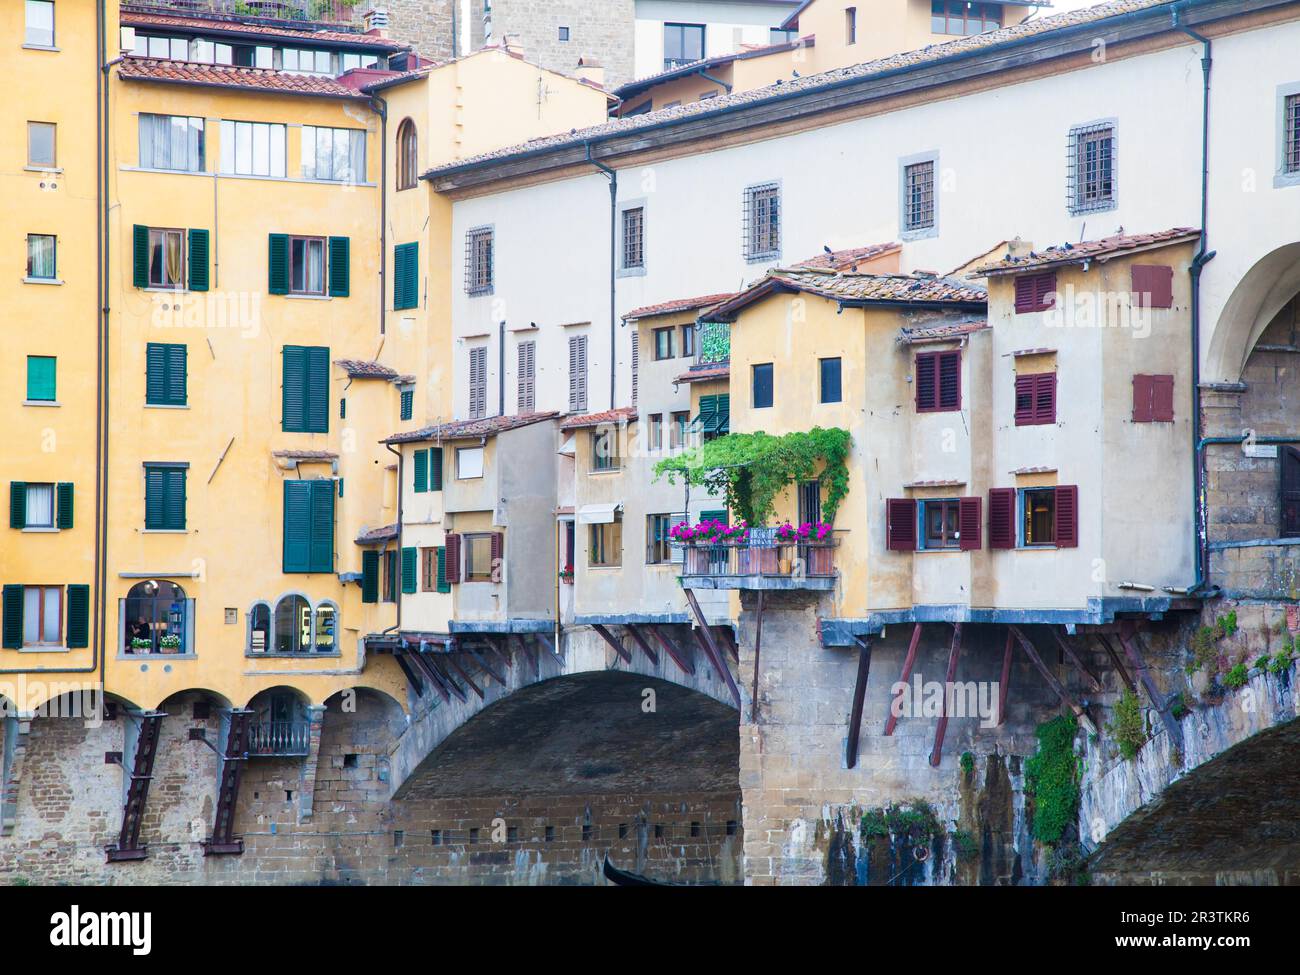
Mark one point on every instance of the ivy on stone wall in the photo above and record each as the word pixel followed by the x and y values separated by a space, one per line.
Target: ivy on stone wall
pixel 1052 777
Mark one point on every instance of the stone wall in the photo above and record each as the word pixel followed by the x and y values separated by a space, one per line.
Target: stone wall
pixel 602 31
pixel 427 24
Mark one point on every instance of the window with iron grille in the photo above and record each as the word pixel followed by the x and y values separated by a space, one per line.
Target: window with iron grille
pixel 1291 134
pixel 478 383
pixel 918 195
pixel 478 261
pixel 1091 168
pixel 762 219
pixel 634 237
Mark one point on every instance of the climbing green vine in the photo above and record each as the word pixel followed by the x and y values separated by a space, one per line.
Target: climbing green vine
pixel 1052 776
pixel 751 469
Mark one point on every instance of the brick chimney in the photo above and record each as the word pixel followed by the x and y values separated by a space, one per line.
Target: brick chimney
pixel 376 21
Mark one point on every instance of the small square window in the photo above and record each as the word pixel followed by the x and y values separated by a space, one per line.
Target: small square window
pixel 41 150
pixel 762 382
pixel 469 462
pixel 940 524
pixel 478 261
pixel 830 380
pixel 478 557
pixel 167 259
pixel 1092 177
pixel 41 253
pixel 40 506
pixel 606 543
pixel 664 343
pixel 604 450
pixel 564 33
pixel 1039 523
pixel 918 196
pixel 306 265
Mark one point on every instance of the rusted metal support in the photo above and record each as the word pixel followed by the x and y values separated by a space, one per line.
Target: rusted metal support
pixel 1064 644
pixel 941 729
pixel 1128 640
pixel 680 656
pixel 464 676
pixel 1052 682
pixel 705 635
pixel 640 641
pixel 412 678
pixel 128 846
pixel 1005 686
pixel 223 839
pixel 908 663
pixel 758 648
pixel 610 639
pixel 433 667
pixel 1117 663
pixel 859 696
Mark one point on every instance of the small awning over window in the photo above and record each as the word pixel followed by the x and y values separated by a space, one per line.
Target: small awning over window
pixel 599 514
pixel 569 448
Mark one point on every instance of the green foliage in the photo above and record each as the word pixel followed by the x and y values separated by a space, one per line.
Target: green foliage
pixel 873 824
pixel 1068 862
pixel 1052 777
pixel 1226 625
pixel 1128 726
pixel 1178 707
pixel 1204 653
pixel 913 822
pixel 1236 677
pixel 967 762
pixel 1261 662
pixel 1282 659
pixel 965 846
pixel 751 469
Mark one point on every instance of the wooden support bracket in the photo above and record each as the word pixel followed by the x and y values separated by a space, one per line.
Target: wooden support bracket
pixel 941 729
pixel 1128 640
pixel 859 696
pixel 1004 688
pixel 680 656
pixel 1052 682
pixel 908 663
pixel 612 641
pixel 451 659
pixel 1064 644
pixel 704 633
pixel 640 641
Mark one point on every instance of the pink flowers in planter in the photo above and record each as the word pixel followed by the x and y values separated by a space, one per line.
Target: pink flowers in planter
pixel 711 531
pixel 809 531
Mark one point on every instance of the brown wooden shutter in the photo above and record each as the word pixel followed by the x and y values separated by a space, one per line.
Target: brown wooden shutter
pixel 968 523
pixel 1045 398
pixel 1290 492
pixel 1141 399
pixel 1035 292
pixel 1153 285
pixel 927 381
pixel 950 380
pixel 1002 518
pixel 1162 399
pixel 498 546
pixel 900 524
pixel 1067 516
pixel 453 557
pixel 1024 400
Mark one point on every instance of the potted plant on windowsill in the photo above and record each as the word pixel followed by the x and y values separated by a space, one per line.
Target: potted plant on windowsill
pixel 141 645
pixel 566 575
pixel 169 644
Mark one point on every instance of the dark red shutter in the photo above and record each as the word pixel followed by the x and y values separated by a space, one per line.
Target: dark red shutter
pixel 968 523
pixel 900 529
pixel 1162 399
pixel 1045 398
pixel 1035 292
pixel 1153 285
pixel 498 544
pixel 1141 399
pixel 927 381
pixel 1024 400
pixel 1067 516
pixel 1024 294
pixel 453 557
pixel 950 380
pixel 1002 518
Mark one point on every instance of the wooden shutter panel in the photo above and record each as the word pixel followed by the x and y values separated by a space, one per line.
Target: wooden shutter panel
pixel 1002 518
pixel 1153 285
pixel 443 585
pixel 340 270
pixel 409 559
pixel 927 381
pixel 12 626
pixel 577 373
pixel 949 369
pixel 1142 399
pixel 1162 399
pixel 498 547
pixel 293 390
pixel 140 256
pixel 17 504
pixel 1045 398
pixel 65 505
pixel 154 486
pixel 453 558
pixel 198 260
pixel 1035 292
pixel 421 460
pixel 78 634
pixel 318 389
pixel 525 377
pixel 1024 400
pixel 370 576
pixel 900 524
pixel 435 468
pixel 321 542
pixel 174 499
pixel 1290 492
pixel 969 519
pixel 277 264
pixel 155 368
pixel 1067 516
pixel 297 526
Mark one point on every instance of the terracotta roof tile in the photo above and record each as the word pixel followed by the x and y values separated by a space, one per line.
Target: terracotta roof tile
pixel 311 34
pixel 382 534
pixel 747 51
pixel 676 305
pixel 940 333
pixel 1101 249
pixel 363 369
pixel 856 288
pixel 814 82
pixel 622 414
pixel 248 79
pixel 849 259
pixel 704 374
pixel 470 429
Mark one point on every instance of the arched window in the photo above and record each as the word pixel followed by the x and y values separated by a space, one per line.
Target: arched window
pixel 292 624
pixel 154 616
pixel 259 628
pixel 326 632
pixel 406 155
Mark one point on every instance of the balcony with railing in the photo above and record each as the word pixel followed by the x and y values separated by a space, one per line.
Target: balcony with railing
pixel 760 558
pixel 342 13
pixel 279 739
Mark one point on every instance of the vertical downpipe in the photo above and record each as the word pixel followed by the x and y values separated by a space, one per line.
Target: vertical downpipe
pixel 612 176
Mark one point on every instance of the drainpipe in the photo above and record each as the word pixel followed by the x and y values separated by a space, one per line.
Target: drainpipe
pixel 613 253
pixel 1202 257
pixel 380 108
pixel 501 369
pixel 400 463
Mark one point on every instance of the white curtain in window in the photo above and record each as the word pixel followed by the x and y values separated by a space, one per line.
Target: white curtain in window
pixel 173 255
pixel 31 615
pixel 40 256
pixel 40 505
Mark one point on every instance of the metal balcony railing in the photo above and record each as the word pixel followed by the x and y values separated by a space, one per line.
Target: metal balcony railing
pixel 279 738
pixel 337 12
pixel 788 565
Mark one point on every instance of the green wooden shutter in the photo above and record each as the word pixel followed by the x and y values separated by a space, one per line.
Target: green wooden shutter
pixel 173 500
pixel 277 264
pixel 724 413
pixel 318 389
pixel 78 616
pixel 406 275
pixel 435 468
pixel 177 367
pixel 140 256
pixel 443 584
pixel 12 625
pixel 370 576
pixel 293 390
pixel 408 569
pixel 339 269
pixel 165 374
pixel 154 486
pixel 408 403
pixel 421 471
pixel 198 260
pixel 297 526
pixel 321 552
pixel 17 504
pixel 65 505
pixel 41 378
